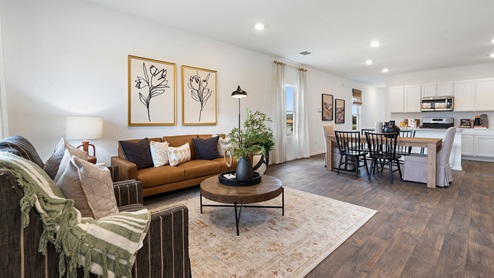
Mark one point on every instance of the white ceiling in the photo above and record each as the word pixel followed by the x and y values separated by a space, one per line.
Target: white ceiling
pixel 415 35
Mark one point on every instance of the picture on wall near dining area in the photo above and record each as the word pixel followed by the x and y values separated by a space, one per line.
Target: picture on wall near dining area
pixel 327 107
pixel 339 112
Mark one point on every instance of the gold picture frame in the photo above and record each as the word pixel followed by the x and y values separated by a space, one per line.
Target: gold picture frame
pixel 199 96
pixel 151 92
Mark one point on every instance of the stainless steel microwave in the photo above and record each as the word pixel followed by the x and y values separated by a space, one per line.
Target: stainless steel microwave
pixel 443 103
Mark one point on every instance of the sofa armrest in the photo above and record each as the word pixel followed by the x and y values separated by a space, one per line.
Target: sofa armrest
pixel 166 247
pixel 128 192
pixel 126 170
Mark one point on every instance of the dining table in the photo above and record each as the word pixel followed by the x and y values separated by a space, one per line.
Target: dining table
pixel 431 144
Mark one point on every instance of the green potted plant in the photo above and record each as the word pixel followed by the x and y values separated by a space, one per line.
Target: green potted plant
pixel 255 137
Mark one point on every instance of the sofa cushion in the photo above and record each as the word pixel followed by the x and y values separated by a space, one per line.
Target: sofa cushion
pixel 52 164
pixel 178 155
pixel 224 145
pixel 138 153
pixel 179 140
pixel 89 185
pixel 162 175
pixel 159 153
pixel 200 168
pixel 206 148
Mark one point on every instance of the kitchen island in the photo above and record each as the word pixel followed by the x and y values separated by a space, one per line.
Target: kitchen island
pixel 455 158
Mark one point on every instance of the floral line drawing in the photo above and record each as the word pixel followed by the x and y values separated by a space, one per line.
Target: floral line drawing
pixel 156 83
pixel 199 90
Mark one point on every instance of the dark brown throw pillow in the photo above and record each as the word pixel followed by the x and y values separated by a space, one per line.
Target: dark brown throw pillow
pixel 138 152
pixel 206 148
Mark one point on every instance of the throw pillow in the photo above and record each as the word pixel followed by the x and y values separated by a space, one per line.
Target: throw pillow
pixel 206 148
pixel 159 153
pixel 90 186
pixel 138 153
pixel 52 164
pixel 179 155
pixel 224 145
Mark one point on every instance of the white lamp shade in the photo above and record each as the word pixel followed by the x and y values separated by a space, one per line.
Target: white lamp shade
pixel 84 128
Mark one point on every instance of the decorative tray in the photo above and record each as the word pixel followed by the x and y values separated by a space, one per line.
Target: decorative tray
pixel 256 179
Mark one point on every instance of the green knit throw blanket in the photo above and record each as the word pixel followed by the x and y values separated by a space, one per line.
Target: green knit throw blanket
pixel 106 247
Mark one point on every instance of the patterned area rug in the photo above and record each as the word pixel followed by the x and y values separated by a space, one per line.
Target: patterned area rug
pixel 269 245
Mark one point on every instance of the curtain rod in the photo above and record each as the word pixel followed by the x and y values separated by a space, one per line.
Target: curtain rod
pixel 281 63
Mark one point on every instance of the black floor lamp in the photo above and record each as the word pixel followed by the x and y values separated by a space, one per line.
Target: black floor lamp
pixel 239 93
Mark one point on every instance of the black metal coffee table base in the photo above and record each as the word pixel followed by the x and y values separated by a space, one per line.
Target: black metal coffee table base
pixel 238 208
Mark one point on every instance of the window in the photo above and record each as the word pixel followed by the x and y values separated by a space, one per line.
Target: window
pixel 290 106
pixel 355 117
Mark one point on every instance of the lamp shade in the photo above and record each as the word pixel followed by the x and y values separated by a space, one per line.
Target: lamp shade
pixel 239 93
pixel 84 128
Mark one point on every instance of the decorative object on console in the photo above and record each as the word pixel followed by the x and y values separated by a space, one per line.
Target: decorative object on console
pixel 327 107
pixel 199 104
pixel 152 93
pixel 85 128
pixel 465 123
pixel 339 112
pixel 391 127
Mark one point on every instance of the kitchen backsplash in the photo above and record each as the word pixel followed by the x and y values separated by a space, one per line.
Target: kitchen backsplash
pixel 457 115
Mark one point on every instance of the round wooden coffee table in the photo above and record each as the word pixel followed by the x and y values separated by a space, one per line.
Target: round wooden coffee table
pixel 269 188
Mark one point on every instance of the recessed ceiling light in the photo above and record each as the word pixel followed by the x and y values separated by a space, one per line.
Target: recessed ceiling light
pixel 385 69
pixel 374 43
pixel 492 41
pixel 368 62
pixel 259 26
pixel 304 53
pixel 492 55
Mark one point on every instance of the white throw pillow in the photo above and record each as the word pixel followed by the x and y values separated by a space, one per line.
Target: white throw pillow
pixel 159 153
pixel 179 155
pixel 89 185
pixel 224 145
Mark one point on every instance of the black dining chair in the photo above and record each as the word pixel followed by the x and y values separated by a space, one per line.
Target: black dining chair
pixel 350 148
pixel 364 130
pixel 405 150
pixel 382 150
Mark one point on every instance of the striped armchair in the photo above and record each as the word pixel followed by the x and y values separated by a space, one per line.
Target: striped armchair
pixel 164 254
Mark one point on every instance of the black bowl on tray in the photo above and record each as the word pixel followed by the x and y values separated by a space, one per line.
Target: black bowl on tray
pixel 256 179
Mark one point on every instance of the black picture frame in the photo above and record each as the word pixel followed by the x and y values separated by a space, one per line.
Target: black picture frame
pixel 327 107
pixel 339 111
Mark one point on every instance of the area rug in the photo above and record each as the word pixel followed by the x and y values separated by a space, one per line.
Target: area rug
pixel 269 245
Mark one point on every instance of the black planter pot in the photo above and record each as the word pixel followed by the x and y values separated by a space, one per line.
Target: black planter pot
pixel 244 169
pixel 391 128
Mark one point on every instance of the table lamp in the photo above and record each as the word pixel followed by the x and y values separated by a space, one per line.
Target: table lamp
pixel 84 128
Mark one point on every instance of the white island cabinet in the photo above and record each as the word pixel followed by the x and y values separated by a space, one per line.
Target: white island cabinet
pixel 478 144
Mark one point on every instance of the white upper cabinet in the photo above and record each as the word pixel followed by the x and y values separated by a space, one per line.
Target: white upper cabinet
pixel 404 99
pixel 412 98
pixel 396 99
pixel 464 93
pixel 484 99
pixel 445 89
pixel 429 90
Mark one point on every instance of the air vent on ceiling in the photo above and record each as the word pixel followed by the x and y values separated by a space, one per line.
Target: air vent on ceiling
pixel 305 53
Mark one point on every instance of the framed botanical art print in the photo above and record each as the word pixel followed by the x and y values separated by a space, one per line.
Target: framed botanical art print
pixel 327 107
pixel 199 96
pixel 339 112
pixel 152 92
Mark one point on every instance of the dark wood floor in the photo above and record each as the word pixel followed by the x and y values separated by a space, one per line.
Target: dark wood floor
pixel 417 232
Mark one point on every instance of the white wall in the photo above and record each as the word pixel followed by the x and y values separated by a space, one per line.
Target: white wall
pixel 70 58
pixel 441 75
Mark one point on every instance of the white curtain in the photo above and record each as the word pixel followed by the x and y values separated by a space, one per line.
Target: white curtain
pixel 301 121
pixel 279 118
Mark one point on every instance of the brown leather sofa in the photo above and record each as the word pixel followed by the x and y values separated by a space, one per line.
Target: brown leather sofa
pixel 156 180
